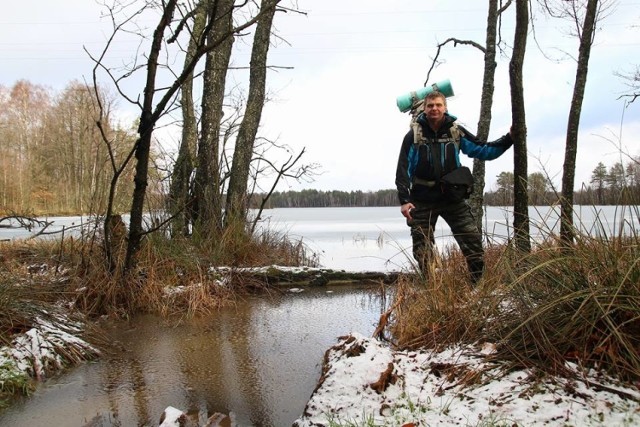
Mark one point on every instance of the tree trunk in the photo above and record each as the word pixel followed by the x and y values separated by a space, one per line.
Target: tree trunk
pixel 179 193
pixel 519 129
pixel 573 124
pixel 486 102
pixel 236 207
pixel 208 197
pixel 143 145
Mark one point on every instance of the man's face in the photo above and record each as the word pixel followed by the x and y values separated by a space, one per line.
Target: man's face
pixel 434 108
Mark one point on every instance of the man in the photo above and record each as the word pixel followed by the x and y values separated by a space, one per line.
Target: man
pixel 429 151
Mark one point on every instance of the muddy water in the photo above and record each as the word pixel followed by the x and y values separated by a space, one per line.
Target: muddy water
pixel 259 360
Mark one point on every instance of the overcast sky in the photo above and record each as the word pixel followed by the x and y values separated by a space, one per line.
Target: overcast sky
pixel 349 62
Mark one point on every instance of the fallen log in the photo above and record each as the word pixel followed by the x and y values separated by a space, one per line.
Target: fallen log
pixel 301 276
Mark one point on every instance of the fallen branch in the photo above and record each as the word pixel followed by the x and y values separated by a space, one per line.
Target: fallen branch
pixel 26 222
pixel 287 276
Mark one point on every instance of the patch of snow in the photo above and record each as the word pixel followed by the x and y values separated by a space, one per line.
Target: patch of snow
pixel 173 417
pixel 366 383
pixel 265 269
pixel 44 348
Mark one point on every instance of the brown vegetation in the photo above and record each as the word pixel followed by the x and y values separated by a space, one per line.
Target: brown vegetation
pixel 555 305
pixel 64 281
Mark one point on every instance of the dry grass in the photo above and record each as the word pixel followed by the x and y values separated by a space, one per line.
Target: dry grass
pixel 237 248
pixel 556 304
pixel 32 281
pixel 172 275
pixel 438 307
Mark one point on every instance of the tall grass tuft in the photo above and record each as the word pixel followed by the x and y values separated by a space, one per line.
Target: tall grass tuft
pixel 432 306
pixel 34 296
pixel 557 304
pixel 580 304
pixel 32 281
pixel 177 276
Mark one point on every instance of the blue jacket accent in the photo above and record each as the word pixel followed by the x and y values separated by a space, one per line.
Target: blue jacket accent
pixel 417 160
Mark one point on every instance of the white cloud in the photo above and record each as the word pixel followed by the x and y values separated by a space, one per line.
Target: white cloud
pixel 352 59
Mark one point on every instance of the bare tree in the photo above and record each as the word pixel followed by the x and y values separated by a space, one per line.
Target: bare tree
pixel 486 99
pixel 633 82
pixel 23 114
pixel 51 154
pixel 207 186
pixel 585 18
pixel 151 110
pixel 179 192
pixel 519 129
pixel 236 206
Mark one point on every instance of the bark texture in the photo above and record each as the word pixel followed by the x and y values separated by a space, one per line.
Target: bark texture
pixel 179 192
pixel 145 131
pixel 486 102
pixel 519 129
pixel 573 124
pixel 236 206
pixel 208 203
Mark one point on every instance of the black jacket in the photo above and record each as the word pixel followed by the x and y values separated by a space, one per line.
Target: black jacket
pixel 438 155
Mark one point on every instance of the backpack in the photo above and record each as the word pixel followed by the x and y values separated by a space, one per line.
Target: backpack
pixel 458 184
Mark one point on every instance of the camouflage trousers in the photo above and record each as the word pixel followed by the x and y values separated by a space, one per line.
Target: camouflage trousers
pixel 463 226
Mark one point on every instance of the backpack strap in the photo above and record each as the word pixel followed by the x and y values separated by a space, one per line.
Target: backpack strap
pixel 418 136
pixel 416 110
pixel 456 133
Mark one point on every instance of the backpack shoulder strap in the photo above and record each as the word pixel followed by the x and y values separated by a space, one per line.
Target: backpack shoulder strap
pixel 418 136
pixel 456 133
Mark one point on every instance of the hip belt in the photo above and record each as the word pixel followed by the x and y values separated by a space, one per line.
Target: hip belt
pixel 425 182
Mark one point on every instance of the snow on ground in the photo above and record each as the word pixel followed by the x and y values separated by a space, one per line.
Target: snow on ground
pixel 366 383
pixel 46 348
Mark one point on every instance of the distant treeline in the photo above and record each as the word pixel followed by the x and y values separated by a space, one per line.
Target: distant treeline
pixel 322 199
pixel 335 198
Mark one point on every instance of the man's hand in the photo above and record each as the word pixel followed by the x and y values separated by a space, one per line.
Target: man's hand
pixel 405 210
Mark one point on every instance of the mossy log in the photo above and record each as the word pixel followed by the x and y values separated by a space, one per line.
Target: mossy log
pixel 306 276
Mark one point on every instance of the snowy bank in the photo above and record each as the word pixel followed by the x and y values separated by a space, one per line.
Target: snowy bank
pixel 364 382
pixel 45 349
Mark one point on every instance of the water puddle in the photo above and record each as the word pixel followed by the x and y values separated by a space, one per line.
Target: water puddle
pixel 259 360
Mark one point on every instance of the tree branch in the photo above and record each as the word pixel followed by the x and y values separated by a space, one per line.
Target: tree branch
pixel 456 42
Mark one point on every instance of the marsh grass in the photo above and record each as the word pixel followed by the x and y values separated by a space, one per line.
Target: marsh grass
pixel 172 276
pixel 31 282
pixel 33 291
pixel 557 304
pixel 59 282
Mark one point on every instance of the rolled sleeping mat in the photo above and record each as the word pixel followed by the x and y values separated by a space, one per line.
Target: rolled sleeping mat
pixel 406 101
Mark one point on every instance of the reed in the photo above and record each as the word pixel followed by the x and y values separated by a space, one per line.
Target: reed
pixel 560 303
pixel 172 275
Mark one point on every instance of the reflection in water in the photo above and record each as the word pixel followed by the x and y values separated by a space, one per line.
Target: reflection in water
pixel 259 360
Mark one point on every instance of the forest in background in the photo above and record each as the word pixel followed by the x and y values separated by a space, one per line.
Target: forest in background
pixel 52 161
pixel 52 158
pixel 618 185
